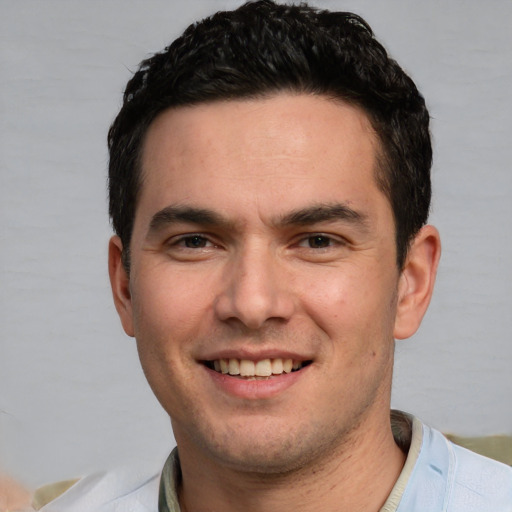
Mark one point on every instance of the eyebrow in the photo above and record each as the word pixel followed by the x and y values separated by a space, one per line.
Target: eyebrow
pixel 187 214
pixel 324 213
pixel 302 217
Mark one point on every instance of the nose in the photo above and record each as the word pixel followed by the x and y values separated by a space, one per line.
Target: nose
pixel 255 290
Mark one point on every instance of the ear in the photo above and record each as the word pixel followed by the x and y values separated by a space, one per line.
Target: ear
pixel 120 283
pixel 416 282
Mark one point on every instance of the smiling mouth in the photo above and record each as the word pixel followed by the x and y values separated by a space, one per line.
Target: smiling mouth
pixel 263 369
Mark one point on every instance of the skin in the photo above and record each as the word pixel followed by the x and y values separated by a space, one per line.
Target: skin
pixel 260 232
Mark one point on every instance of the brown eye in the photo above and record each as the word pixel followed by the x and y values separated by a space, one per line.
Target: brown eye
pixel 194 242
pixel 319 241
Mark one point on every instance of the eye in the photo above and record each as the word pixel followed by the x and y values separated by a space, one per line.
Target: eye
pixel 191 247
pixel 193 242
pixel 318 241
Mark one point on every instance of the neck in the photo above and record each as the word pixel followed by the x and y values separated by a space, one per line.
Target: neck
pixel 356 476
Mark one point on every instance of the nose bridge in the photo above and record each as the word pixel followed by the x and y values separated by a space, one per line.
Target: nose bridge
pixel 255 289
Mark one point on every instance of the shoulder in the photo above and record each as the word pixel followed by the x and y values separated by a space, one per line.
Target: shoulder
pixel 126 489
pixel 447 477
pixel 480 483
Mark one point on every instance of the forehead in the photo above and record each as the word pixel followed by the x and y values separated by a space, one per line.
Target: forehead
pixel 262 148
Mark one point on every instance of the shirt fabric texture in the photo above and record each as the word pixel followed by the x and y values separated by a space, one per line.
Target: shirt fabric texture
pixel 438 476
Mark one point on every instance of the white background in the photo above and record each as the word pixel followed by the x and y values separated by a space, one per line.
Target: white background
pixel 72 396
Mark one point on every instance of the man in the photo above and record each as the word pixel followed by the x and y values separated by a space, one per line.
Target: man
pixel 269 189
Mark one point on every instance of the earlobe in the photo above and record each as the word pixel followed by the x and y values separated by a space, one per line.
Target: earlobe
pixel 120 283
pixel 416 282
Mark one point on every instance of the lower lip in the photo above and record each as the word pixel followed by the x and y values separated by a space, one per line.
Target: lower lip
pixel 255 389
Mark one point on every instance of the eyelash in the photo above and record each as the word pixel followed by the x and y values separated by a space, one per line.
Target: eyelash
pixel 181 241
pixel 324 240
pixel 331 241
pixel 200 243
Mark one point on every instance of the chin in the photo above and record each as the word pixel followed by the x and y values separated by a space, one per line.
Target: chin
pixel 264 460
pixel 269 449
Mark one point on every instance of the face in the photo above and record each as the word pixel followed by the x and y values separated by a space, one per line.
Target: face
pixel 263 284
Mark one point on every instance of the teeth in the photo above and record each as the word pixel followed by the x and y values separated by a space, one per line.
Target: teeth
pixel 247 368
pixel 224 366
pixel 234 367
pixel 263 368
pixel 277 366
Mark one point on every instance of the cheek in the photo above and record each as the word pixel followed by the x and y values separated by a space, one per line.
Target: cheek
pixel 351 301
pixel 166 319
pixel 169 304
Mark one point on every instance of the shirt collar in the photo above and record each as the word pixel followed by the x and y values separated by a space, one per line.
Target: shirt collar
pixel 408 435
